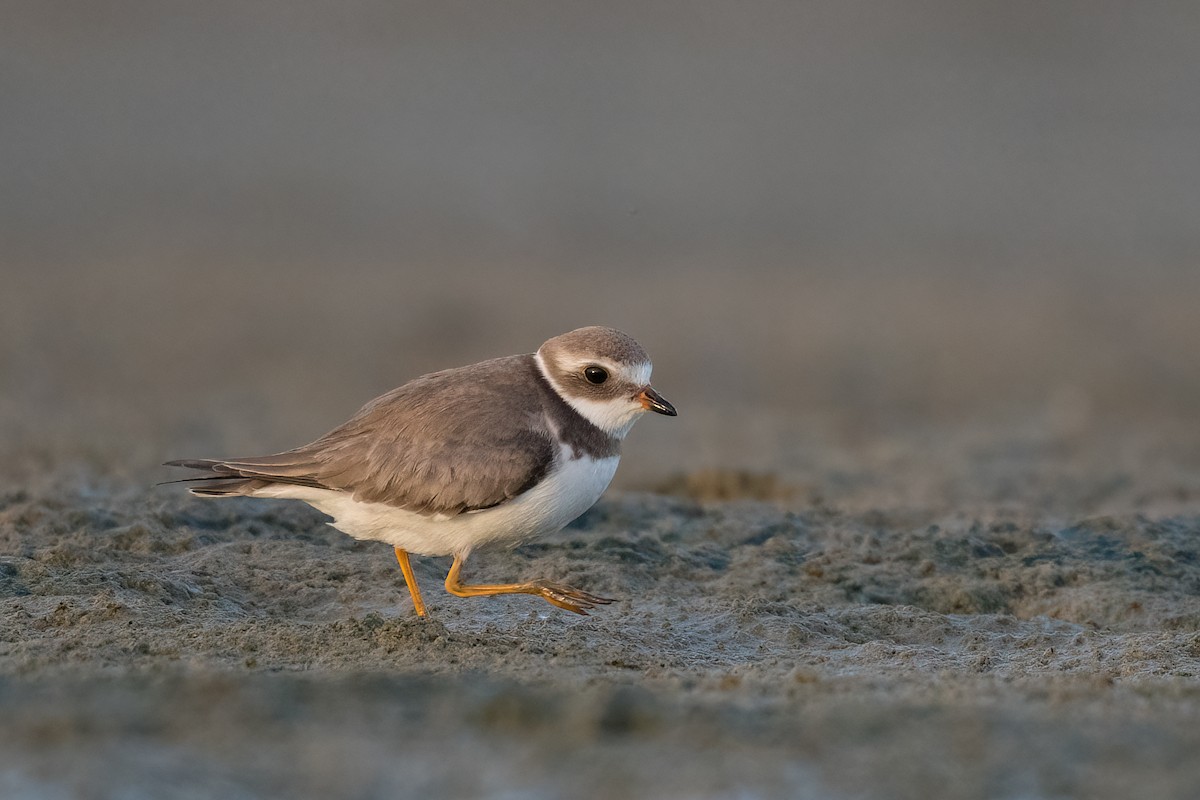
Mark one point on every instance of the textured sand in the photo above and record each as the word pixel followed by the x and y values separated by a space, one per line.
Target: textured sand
pixel 245 649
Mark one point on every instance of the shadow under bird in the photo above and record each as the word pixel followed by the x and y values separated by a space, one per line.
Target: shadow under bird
pixel 496 453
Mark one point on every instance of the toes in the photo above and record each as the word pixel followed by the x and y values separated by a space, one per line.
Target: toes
pixel 571 599
pixel 568 605
pixel 595 599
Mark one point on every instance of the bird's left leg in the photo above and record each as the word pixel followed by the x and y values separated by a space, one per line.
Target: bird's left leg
pixel 557 594
pixel 411 580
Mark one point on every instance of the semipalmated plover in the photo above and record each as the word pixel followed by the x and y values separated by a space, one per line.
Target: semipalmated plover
pixel 499 452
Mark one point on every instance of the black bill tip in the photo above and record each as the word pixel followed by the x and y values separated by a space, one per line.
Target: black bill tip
pixel 653 401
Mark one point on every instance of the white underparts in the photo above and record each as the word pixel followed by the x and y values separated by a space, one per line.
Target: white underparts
pixel 572 486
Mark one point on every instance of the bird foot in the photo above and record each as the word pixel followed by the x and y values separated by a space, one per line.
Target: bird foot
pixel 569 598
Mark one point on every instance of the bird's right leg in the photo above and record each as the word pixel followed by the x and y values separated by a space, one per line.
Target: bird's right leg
pixel 557 594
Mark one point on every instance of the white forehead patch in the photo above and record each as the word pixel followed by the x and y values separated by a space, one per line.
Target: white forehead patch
pixel 640 374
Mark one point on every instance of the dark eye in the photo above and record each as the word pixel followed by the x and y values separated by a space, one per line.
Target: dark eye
pixel 595 375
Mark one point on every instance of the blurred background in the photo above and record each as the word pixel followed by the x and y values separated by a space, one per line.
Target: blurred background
pixel 854 236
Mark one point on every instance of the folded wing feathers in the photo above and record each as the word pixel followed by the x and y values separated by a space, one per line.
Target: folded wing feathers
pixel 407 449
pixel 427 485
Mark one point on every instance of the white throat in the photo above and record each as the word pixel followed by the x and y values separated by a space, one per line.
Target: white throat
pixel 614 417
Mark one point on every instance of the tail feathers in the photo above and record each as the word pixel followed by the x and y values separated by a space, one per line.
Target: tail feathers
pixel 244 476
pixel 207 464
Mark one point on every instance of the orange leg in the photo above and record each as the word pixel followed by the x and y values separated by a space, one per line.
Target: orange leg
pixel 554 593
pixel 411 580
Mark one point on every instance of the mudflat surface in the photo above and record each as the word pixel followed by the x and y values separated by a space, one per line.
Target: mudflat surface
pixel 153 641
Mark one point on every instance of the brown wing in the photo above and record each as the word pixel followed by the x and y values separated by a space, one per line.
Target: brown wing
pixel 445 443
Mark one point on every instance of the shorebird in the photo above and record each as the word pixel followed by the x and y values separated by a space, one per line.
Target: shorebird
pixel 496 453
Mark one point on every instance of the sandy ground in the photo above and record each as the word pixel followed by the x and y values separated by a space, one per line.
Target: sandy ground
pixel 783 646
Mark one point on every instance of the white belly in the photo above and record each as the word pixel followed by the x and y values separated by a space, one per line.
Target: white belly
pixel 572 487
